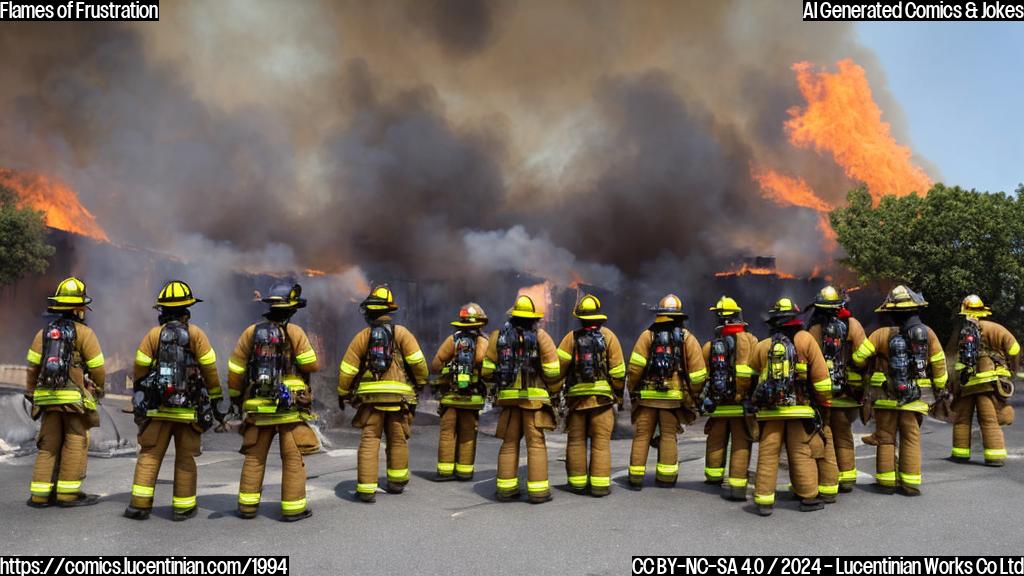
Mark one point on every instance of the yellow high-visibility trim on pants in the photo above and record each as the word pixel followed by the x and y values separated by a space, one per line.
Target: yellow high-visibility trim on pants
pixel 68 486
pixel 464 468
pixel 764 499
pixel 910 479
pixel 249 498
pixel 507 483
pixel 847 475
pixel 886 478
pixel 289 507
pixel 828 489
pixel 995 453
pixel 538 486
pixel 40 488
pixel 578 481
pixel 737 482
pixel 714 473
pixel 637 470
pixel 961 452
pixel 668 469
pixel 601 481
pixel 140 491
pixel 398 475
pixel 368 488
pixel 183 502
pixel 445 467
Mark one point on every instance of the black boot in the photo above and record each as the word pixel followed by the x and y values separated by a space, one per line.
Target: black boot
pixel 540 498
pixel 179 516
pixel 367 497
pixel 885 489
pixel 136 513
pixel 246 515
pixel 81 499
pixel 811 505
pixel 296 517
pixel 394 487
pixel 765 510
pixel 35 504
pixel 507 496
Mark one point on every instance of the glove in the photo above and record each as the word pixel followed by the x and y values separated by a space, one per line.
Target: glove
pixel 942 395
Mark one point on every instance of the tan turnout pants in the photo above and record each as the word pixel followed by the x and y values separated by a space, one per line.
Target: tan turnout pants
pixel 841 422
pixel 803 451
pixel 907 426
pixel 395 427
pixel 645 420
pixel 63 444
pixel 515 424
pixel 153 443
pixel 256 445
pixel 727 435
pixel 991 434
pixel 594 424
pixel 456 444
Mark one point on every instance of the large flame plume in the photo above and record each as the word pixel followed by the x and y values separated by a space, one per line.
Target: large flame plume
pixel 57 200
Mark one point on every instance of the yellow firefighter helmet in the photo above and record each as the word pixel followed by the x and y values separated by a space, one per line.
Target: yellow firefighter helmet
pixel 726 306
pixel 471 315
pixel 524 308
pixel 176 294
pixel 285 295
pixel 783 311
pixel 974 306
pixel 589 308
pixel 829 297
pixel 380 299
pixel 70 294
pixel 902 299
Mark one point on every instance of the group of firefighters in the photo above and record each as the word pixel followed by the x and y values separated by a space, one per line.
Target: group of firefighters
pixel 801 388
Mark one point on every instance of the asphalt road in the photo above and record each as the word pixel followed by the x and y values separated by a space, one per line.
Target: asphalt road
pixel 458 528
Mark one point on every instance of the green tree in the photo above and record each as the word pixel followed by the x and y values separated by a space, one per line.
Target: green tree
pixel 948 244
pixel 23 247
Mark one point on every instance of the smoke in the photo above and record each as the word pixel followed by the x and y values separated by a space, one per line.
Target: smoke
pixel 438 140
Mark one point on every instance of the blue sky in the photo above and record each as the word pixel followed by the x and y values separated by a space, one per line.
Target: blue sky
pixel 961 86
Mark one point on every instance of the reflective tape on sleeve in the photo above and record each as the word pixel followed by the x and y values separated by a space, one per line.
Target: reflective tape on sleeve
pixel 348 369
pixel 699 376
pixel 307 357
pixel 95 362
pixel 618 371
pixel 34 357
pixel 638 359
pixel 564 355
pixel 415 358
pixel 235 368
pixel 209 358
pixel 143 359
pixel 938 356
pixel 1014 350
pixel 551 368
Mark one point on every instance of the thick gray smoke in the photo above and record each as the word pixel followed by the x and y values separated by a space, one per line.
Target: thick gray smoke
pixel 604 141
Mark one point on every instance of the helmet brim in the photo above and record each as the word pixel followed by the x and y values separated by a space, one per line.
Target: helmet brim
pixel 461 324
pixel 590 316
pixel 181 304
pixel 524 314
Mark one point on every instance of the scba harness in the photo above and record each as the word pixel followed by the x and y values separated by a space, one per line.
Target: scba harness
pixel 173 389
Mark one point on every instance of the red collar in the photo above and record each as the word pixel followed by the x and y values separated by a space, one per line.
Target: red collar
pixel 730 329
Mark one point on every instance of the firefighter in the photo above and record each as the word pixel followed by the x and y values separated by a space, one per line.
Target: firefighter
pixel 523 363
pixel 458 362
pixel 176 387
pixel 594 374
pixel 379 375
pixel 65 378
pixel 838 334
pixel 792 381
pixel 988 357
pixel 268 373
pixel 908 358
pixel 666 374
pixel 726 398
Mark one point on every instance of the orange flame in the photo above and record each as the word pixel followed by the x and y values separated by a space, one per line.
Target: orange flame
pixel 788 191
pixel 747 270
pixel 577 280
pixel 843 119
pixel 57 200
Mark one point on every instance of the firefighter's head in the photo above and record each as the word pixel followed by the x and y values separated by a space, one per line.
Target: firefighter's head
pixel 174 301
pixel 901 304
pixel 974 307
pixel 669 309
pixel 379 302
pixel 284 299
pixel 471 315
pixel 69 298
pixel 525 311
pixel 784 314
pixel 829 301
pixel 588 310
pixel 728 311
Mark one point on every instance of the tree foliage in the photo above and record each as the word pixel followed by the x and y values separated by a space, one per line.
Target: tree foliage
pixel 948 244
pixel 23 247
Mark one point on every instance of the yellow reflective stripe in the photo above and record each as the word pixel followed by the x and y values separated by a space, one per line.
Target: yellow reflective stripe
pixel 249 498
pixel 537 486
pixel 368 488
pixel 848 475
pixel 714 473
pixel 307 357
pixel 854 377
pixel 995 453
pixel 45 397
pixel 940 380
pixel 488 365
pixel 786 412
pixel 289 507
pixel 348 369
pixel 637 470
pixel 507 483
pixel 911 479
pixel 863 352
pixel 1014 350
pixel 40 488
pixel 667 469
pixel 924 382
pixel 551 368
pixel 727 411
pixel 877 378
pixel 398 474
pixel 445 467
pixel 96 361
pixel 461 400
pixel 34 357
pixel 764 499
pixel 415 358
pixel 601 481
pixel 173 414
pixel 578 481
pixel 961 452
pixel 520 394
pixel 235 368
pixel 638 359
pixel 618 371
pixel 699 376
pixel 464 468
pixel 737 482
pixel 646 394
pixel 68 486
pixel 801 366
pixel 140 491
pixel 987 376
pixel 742 370
pixel 938 356
pixel 828 489
pixel 209 358
pixel 143 359
pixel 183 502
pixel 886 478
pixel 564 355
pixel 823 385
pixel 600 387
pixel 384 387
